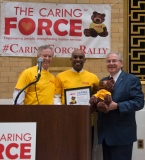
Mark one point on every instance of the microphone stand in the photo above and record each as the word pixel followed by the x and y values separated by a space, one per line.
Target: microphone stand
pixel 37 79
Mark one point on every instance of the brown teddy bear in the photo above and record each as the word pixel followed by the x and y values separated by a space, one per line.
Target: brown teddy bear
pixel 73 100
pixel 101 100
pixel 97 28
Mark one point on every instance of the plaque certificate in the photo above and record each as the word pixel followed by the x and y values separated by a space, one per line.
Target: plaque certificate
pixel 77 96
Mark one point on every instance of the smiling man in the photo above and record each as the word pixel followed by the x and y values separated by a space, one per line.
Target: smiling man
pixel 41 92
pixel 117 125
pixel 75 77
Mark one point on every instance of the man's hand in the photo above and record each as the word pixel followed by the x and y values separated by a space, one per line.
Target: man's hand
pixel 104 108
pixel 113 105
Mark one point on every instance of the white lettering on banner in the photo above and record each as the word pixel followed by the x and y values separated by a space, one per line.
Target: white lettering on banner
pixel 65 26
pixel 44 12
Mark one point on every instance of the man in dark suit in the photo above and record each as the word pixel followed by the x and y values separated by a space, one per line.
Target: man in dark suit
pixel 116 124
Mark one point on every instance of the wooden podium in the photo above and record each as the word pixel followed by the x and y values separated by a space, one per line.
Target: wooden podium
pixel 63 132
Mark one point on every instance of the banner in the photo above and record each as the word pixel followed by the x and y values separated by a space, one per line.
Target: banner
pixel 65 27
pixel 17 141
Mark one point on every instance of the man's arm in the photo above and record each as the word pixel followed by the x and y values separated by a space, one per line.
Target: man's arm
pixel 21 98
pixel 135 101
pixel 57 99
pixel 136 97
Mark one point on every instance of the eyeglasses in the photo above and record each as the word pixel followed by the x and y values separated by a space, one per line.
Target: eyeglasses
pixel 113 61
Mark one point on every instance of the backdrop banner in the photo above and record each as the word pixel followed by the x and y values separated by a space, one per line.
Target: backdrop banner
pixel 65 27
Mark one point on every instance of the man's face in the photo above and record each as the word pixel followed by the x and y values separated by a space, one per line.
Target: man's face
pixel 113 64
pixel 47 55
pixel 78 60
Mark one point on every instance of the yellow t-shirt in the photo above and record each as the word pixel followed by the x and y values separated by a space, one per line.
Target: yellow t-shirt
pixel 97 27
pixel 45 87
pixel 101 93
pixel 70 79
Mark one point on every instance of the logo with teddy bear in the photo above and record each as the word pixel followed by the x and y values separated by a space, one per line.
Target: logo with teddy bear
pixel 97 27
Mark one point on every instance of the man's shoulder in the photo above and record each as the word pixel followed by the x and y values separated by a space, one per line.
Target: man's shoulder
pixel 130 76
pixel 52 76
pixel 30 69
pixel 127 75
pixel 90 73
pixel 64 72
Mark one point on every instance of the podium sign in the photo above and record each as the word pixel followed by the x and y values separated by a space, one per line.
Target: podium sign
pixel 17 141
pixel 63 132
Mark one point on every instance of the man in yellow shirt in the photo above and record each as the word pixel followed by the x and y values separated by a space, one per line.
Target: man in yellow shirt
pixel 75 78
pixel 41 92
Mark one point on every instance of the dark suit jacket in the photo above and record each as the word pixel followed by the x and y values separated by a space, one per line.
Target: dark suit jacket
pixel 118 127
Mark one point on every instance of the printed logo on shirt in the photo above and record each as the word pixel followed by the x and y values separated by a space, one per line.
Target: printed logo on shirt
pixel 85 83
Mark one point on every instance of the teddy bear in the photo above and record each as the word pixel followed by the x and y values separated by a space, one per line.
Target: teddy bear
pixel 97 27
pixel 73 100
pixel 101 100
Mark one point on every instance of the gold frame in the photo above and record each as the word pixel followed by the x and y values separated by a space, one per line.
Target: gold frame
pixel 126 38
pixel 125 50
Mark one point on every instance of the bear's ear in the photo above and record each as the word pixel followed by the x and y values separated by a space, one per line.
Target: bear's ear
pixel 103 15
pixel 95 13
pixel 102 84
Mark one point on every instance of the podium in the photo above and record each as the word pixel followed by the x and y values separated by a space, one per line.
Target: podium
pixel 62 132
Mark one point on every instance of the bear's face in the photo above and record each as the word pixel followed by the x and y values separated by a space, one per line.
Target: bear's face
pixel 98 18
pixel 107 84
pixel 73 98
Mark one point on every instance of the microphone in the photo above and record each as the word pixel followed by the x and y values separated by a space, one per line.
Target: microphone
pixel 40 60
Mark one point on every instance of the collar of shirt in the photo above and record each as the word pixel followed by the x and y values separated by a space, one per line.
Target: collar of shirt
pixel 76 71
pixel 43 68
pixel 115 77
